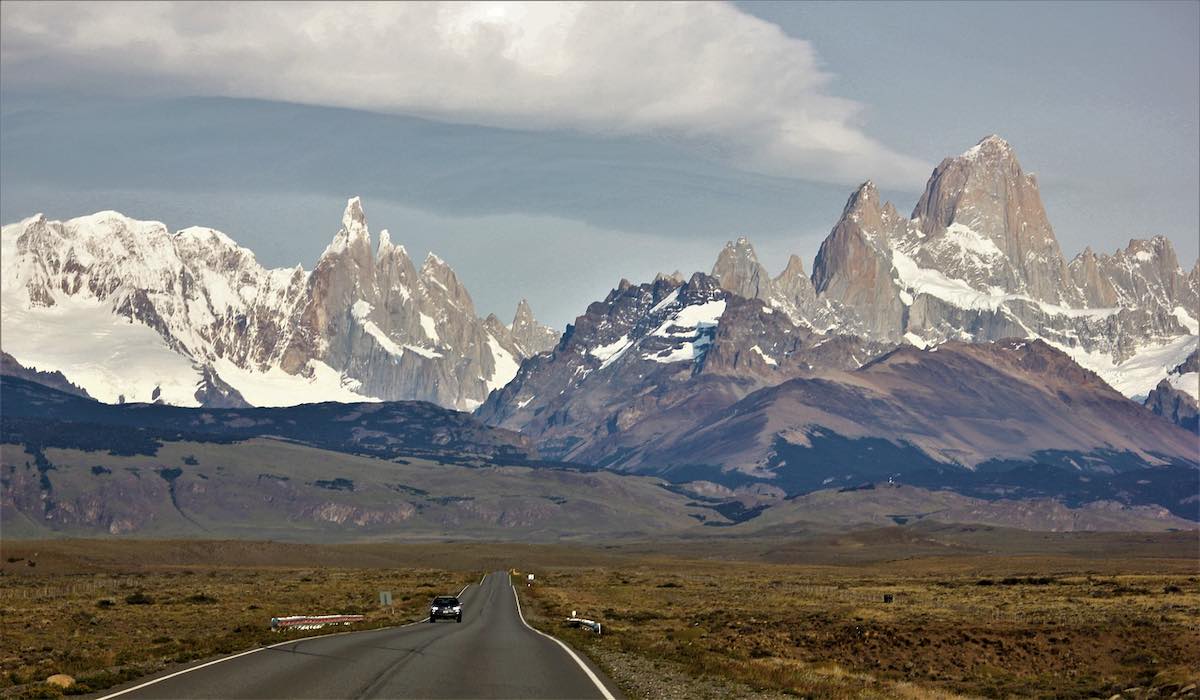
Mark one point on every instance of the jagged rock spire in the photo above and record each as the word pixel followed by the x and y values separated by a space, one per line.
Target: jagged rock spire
pixel 530 335
pixel 982 208
pixel 353 218
pixel 794 284
pixel 738 270
pixel 854 264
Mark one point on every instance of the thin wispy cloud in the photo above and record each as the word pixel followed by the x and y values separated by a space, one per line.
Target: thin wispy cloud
pixel 707 75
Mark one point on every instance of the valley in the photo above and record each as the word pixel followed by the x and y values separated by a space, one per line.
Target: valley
pixel 71 466
pixel 1083 614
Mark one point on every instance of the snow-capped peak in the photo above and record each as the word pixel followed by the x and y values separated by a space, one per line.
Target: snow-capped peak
pixel 164 310
pixel 991 144
pixel 385 243
pixel 38 218
pixel 354 233
pixel 353 219
pixel 203 234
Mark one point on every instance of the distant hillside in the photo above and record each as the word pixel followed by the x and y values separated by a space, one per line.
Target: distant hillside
pixel 978 407
pixel 71 466
pixel 36 414
pixel 267 489
pixel 888 504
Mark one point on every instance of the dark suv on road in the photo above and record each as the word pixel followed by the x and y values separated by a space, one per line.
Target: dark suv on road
pixel 445 607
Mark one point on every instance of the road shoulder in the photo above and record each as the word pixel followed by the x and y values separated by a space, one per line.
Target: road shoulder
pixel 532 617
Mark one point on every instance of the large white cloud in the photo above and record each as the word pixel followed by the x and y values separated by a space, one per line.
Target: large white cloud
pixel 707 74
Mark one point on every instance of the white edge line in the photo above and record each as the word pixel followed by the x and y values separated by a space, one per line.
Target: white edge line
pixel 180 673
pixel 595 681
pixel 270 646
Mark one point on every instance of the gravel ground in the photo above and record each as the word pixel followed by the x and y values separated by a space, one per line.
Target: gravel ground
pixel 644 678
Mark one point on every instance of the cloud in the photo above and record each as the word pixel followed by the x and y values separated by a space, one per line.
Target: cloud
pixel 707 75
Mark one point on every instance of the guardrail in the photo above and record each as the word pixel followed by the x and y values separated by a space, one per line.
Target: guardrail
pixel 312 622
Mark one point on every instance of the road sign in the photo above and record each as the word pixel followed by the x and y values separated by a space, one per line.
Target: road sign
pixel 385 598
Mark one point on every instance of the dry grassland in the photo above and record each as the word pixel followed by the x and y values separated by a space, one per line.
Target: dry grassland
pixel 973 612
pixel 1022 630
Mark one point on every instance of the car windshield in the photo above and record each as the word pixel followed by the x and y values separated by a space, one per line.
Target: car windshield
pixel 445 601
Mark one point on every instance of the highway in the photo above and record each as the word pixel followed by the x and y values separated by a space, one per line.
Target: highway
pixel 492 653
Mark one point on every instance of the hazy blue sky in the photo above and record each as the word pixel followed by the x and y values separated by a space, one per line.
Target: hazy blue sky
pixel 548 151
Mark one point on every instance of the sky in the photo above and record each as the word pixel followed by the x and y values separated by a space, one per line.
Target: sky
pixel 548 150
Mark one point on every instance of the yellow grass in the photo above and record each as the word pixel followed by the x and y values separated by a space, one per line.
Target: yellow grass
pixel 826 632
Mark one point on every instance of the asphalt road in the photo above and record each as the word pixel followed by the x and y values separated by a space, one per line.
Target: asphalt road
pixel 490 654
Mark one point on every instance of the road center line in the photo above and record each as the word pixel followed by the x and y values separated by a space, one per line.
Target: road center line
pixel 595 681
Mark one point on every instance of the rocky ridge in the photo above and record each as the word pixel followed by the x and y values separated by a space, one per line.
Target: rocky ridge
pixel 1177 397
pixel 653 355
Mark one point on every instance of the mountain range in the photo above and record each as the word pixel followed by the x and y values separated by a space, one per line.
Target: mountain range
pixel 952 348
pixel 190 318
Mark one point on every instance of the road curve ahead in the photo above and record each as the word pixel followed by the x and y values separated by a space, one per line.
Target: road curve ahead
pixel 492 653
